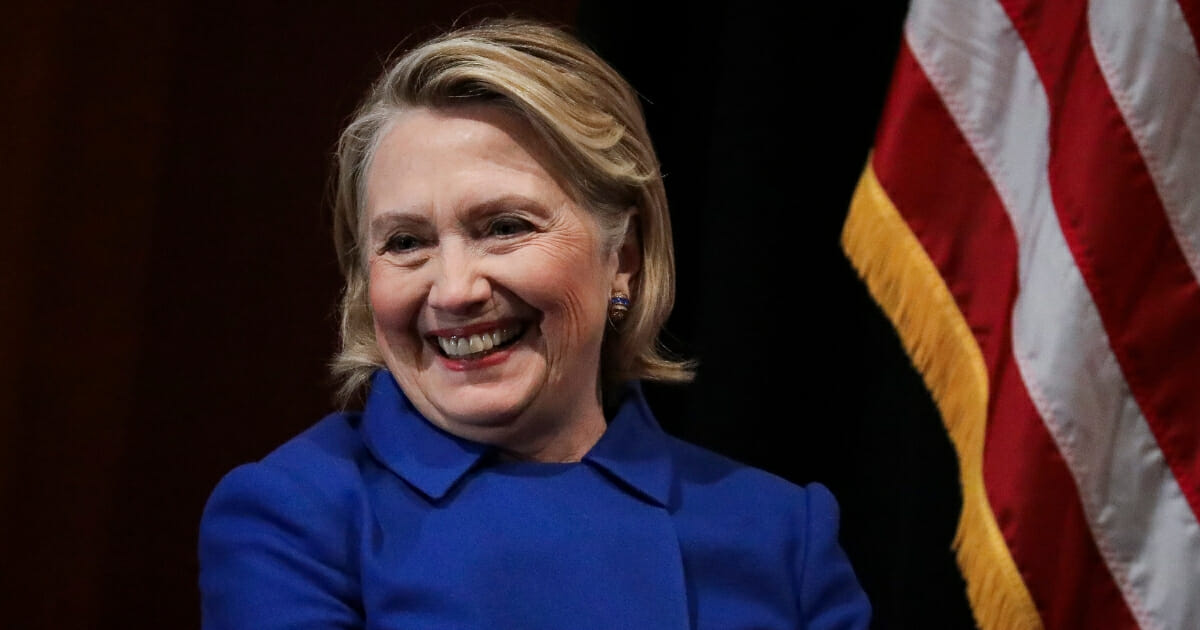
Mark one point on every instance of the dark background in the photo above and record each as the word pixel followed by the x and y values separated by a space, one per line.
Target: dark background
pixel 168 284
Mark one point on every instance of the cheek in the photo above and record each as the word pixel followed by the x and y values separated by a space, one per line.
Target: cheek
pixel 392 306
pixel 572 285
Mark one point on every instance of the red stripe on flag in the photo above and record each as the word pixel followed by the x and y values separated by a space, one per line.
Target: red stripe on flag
pixel 1118 232
pixel 1191 15
pixel 943 192
pixel 1039 512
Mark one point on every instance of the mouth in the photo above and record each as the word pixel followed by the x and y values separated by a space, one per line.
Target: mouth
pixel 469 345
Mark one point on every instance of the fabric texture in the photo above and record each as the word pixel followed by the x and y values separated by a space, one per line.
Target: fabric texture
pixel 1029 220
pixel 381 520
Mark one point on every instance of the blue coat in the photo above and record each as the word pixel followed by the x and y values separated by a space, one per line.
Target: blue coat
pixel 381 520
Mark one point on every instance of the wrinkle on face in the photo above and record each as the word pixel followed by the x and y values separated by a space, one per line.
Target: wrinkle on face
pixel 443 177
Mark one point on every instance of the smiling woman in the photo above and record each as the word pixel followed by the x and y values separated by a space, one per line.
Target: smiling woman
pixel 473 243
pixel 503 231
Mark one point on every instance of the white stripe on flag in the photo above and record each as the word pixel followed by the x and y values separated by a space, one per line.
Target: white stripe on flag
pixel 1144 528
pixel 1150 64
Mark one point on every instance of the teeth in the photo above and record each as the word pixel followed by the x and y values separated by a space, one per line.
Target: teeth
pixel 459 347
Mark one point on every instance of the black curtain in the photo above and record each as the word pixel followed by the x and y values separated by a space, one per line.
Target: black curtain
pixel 763 116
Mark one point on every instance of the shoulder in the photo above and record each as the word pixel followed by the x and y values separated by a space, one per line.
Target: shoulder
pixel 276 536
pixel 757 507
pixel 309 477
pixel 315 469
pixel 764 507
pixel 706 477
pixel 788 530
pixel 701 470
pixel 327 446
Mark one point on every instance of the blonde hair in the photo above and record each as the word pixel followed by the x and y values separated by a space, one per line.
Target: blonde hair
pixel 592 122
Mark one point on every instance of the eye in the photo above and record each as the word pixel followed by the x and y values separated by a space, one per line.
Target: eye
pixel 508 226
pixel 400 243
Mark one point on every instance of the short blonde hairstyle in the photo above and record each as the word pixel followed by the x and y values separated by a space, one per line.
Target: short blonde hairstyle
pixel 593 124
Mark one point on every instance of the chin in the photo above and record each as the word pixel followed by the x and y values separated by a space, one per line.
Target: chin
pixel 479 410
pixel 479 417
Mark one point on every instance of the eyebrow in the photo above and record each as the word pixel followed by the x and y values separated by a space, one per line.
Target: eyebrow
pixel 388 220
pixel 507 202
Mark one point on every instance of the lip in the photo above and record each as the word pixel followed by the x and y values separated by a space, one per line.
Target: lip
pixel 472 329
pixel 463 365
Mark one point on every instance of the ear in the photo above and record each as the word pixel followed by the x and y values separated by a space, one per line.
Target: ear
pixel 629 255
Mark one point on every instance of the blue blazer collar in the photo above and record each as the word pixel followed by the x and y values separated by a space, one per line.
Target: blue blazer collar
pixel 425 456
pixel 633 449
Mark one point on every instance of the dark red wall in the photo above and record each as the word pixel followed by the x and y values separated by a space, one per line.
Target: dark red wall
pixel 168 279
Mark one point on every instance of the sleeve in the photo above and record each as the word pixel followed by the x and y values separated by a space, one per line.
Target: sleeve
pixel 275 553
pixel 829 594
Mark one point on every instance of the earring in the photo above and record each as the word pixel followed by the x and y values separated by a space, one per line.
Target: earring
pixel 618 306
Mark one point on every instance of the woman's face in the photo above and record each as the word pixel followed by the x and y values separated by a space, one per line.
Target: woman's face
pixel 489 284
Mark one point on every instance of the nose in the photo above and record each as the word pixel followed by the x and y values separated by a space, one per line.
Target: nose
pixel 458 286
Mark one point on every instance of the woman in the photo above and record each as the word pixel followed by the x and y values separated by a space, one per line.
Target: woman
pixel 503 231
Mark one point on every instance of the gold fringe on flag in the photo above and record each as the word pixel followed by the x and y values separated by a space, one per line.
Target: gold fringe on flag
pixel 907 286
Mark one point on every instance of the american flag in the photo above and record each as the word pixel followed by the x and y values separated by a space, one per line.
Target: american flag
pixel 1029 219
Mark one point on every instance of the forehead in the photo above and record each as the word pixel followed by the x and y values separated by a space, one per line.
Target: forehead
pixel 428 155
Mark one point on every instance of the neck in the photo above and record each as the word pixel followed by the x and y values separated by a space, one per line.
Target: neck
pixel 569 445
